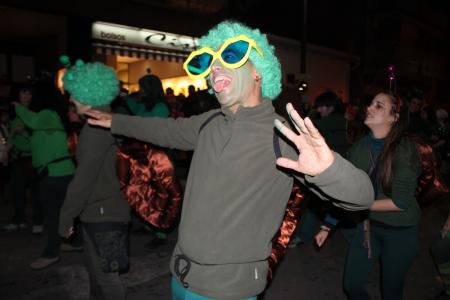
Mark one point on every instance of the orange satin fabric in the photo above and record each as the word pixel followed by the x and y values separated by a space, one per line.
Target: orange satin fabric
pixel 430 184
pixel 281 240
pixel 147 178
pixel 72 141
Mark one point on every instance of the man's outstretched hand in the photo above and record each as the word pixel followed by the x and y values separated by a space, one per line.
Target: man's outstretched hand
pixel 315 155
pixel 99 118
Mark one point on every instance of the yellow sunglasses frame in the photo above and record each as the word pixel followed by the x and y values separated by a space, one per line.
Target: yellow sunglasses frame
pixel 217 55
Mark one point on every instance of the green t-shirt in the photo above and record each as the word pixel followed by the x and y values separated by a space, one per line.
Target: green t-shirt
pixel 48 141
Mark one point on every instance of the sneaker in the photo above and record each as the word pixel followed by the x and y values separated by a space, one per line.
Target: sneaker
pixel 37 229
pixel 69 247
pixel 43 262
pixel 11 227
pixel 155 243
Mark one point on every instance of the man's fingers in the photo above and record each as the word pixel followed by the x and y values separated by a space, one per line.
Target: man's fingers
pixel 101 123
pixel 296 119
pixel 287 163
pixel 286 131
pixel 313 132
pixel 94 113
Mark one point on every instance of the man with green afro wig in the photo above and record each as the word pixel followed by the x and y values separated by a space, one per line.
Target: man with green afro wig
pixel 267 65
pixel 94 195
pixel 235 195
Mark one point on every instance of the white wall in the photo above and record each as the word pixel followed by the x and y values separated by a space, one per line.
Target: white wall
pixel 325 68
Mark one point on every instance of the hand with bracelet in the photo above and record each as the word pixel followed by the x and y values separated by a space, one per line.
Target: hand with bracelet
pixel 322 235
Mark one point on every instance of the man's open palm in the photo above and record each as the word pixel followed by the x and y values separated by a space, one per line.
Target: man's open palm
pixel 314 154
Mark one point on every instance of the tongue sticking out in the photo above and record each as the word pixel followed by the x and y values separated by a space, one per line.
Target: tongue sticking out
pixel 220 85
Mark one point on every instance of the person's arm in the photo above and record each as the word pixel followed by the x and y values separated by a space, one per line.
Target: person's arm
pixel 181 133
pixel 43 120
pixel 385 205
pixel 92 148
pixel 335 178
pixel 406 170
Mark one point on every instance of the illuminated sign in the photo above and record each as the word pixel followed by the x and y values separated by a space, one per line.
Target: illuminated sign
pixel 146 37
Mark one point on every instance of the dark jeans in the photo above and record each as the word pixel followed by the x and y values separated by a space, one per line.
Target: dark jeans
pixel 52 191
pixel 102 285
pixel 397 248
pixel 21 178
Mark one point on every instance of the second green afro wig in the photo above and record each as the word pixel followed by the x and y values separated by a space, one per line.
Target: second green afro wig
pixel 268 66
pixel 93 84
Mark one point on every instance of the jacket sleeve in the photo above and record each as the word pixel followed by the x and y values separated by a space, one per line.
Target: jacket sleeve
pixel 93 144
pixel 406 171
pixel 181 133
pixel 43 120
pixel 344 185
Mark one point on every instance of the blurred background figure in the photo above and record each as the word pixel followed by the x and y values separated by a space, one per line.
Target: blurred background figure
pixel 4 151
pixel 51 160
pixel 22 170
pixel 147 172
pixel 332 124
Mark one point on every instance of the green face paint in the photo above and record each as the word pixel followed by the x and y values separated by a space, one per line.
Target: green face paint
pixel 239 88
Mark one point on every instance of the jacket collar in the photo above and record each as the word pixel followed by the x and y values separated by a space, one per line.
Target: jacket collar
pixel 244 113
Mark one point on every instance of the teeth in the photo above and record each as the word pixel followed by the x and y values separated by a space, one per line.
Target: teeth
pixel 219 78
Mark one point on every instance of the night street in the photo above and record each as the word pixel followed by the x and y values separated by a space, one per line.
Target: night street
pixel 303 274
pixel 136 132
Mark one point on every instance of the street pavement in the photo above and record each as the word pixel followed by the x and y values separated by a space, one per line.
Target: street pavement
pixel 304 273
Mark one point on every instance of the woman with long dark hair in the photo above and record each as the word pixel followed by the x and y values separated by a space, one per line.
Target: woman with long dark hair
pixel 391 230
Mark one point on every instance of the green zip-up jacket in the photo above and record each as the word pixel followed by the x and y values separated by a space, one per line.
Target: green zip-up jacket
pixel 406 170
pixel 235 195
pixel 48 141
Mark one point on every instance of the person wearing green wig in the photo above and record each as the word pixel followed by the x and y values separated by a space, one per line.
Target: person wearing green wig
pixel 94 193
pixel 235 194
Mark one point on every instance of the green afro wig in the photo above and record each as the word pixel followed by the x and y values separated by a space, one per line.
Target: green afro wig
pixel 93 84
pixel 268 66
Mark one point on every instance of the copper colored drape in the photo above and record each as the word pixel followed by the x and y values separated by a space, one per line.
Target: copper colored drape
pixel 430 185
pixel 281 240
pixel 147 178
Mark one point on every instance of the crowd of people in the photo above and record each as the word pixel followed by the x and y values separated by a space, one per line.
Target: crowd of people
pixel 95 156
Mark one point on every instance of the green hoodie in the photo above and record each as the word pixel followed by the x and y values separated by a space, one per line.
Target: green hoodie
pixel 48 141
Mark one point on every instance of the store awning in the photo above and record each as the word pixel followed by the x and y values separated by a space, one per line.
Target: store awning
pixel 140 52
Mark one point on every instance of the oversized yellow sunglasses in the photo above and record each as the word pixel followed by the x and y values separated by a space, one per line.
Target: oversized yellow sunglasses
pixel 232 54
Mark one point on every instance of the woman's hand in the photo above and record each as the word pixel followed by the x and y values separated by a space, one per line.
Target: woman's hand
pixel 315 155
pixel 99 118
pixel 322 236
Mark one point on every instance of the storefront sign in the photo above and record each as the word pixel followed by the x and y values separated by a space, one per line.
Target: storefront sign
pixel 145 37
